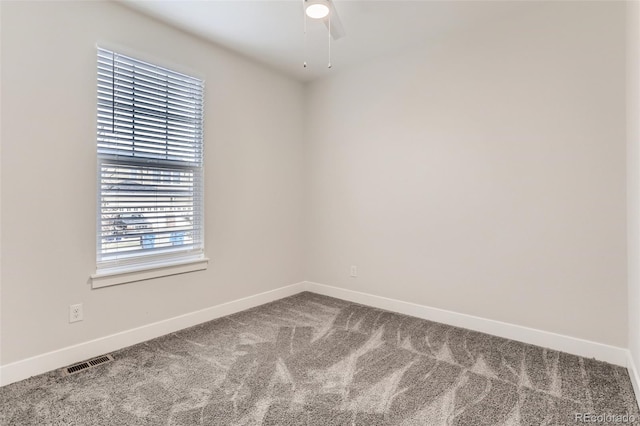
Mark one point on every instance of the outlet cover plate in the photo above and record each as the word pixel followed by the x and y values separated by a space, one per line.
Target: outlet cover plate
pixel 75 313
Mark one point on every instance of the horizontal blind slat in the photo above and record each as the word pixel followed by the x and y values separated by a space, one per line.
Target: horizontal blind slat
pixel 112 85
pixel 143 142
pixel 165 122
pixel 193 136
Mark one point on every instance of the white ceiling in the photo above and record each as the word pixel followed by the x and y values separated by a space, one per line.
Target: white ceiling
pixel 271 31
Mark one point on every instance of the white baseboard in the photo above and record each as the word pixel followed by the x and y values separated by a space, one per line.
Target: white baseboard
pixel 634 374
pixel 39 364
pixel 559 342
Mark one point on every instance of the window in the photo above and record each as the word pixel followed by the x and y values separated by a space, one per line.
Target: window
pixel 150 167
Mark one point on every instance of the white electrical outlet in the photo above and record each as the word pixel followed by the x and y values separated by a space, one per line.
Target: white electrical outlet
pixel 75 312
pixel 354 271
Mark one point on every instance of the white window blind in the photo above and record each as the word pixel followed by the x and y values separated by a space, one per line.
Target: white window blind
pixel 150 164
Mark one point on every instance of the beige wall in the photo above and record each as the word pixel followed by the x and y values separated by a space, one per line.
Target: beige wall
pixel 633 175
pixel 484 175
pixel 253 131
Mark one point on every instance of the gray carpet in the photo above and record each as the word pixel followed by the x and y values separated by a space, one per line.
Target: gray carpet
pixel 315 360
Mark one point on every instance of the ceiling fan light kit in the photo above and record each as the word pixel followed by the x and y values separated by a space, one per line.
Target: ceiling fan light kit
pixel 317 9
pixel 321 10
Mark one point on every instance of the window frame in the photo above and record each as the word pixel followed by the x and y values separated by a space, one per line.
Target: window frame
pixel 122 267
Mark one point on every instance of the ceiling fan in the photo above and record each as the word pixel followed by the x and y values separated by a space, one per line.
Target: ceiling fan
pixel 325 11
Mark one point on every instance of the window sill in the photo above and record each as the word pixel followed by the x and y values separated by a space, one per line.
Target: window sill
pixel 117 276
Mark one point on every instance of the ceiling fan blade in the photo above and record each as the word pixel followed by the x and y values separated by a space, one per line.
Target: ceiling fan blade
pixel 337 30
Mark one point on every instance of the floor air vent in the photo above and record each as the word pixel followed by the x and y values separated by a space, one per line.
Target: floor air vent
pixel 85 365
